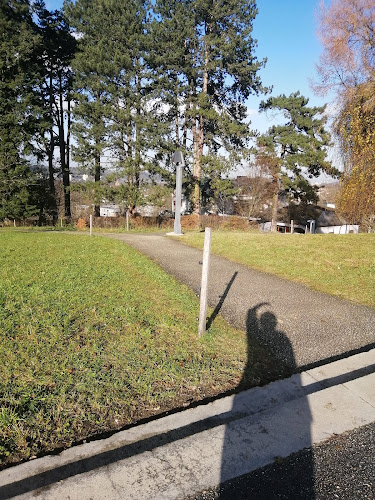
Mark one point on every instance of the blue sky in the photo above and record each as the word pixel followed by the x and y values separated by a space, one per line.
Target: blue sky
pixel 285 30
pixel 286 34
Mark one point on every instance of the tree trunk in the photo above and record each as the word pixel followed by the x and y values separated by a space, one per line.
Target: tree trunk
pixel 177 128
pixel 97 180
pixel 196 170
pixel 64 166
pixel 275 204
pixel 51 179
pixel 199 138
pixel 184 137
pixel 68 132
pixel 137 140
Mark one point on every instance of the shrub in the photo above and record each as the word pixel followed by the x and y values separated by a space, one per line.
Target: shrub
pixel 81 223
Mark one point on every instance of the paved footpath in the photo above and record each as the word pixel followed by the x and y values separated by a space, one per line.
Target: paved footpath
pixel 299 325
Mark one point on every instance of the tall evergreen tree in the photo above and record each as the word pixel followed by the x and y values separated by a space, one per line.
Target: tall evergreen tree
pixel 134 132
pixel 296 150
pixel 90 86
pixel 113 114
pixel 208 50
pixel 19 105
pixel 58 48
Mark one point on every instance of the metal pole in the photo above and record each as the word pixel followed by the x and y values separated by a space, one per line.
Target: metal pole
pixel 177 215
pixel 90 225
pixel 127 219
pixel 292 226
pixel 204 282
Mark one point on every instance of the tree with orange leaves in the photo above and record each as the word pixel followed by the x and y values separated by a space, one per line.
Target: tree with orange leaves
pixel 347 65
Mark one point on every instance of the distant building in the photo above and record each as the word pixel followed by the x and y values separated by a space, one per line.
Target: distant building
pixel 110 210
pixel 282 227
pixel 330 223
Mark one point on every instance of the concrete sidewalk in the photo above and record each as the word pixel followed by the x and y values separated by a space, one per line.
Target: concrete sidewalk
pixel 175 456
pixel 297 324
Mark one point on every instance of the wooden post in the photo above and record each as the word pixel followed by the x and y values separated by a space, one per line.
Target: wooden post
pixel 127 219
pixel 90 225
pixel 61 223
pixel 14 222
pixel 292 226
pixel 204 282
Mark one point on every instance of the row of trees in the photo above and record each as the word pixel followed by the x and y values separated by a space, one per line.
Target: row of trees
pixel 132 82
pixel 347 67
pixel 35 86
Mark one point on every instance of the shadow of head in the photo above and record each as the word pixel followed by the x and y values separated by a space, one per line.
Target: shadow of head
pixel 263 326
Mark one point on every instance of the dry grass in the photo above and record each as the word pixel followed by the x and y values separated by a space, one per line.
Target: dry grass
pixel 341 265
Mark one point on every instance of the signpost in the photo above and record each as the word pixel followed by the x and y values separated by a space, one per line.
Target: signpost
pixel 204 282
pixel 178 160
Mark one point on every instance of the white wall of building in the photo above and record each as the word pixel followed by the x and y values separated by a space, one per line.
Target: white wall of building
pixel 345 229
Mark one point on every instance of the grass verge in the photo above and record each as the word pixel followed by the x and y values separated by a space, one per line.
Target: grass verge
pixel 341 265
pixel 94 336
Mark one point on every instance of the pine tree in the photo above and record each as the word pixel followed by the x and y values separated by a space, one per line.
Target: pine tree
pixel 57 51
pixel 135 133
pixel 208 53
pixel 87 18
pixel 297 150
pixel 114 114
pixel 19 106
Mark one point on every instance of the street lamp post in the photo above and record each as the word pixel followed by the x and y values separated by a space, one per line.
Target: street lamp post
pixel 178 160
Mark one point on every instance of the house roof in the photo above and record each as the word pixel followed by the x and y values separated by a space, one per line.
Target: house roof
pixel 329 218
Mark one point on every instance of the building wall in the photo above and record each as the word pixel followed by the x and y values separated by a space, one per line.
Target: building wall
pixel 344 229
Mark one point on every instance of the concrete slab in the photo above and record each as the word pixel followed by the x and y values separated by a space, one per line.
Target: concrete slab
pixel 364 387
pixel 360 364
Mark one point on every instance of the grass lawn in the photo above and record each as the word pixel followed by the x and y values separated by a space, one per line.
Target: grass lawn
pixel 341 265
pixel 94 336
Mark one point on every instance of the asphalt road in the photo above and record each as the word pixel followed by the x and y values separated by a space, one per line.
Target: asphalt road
pixel 300 326
pixel 340 468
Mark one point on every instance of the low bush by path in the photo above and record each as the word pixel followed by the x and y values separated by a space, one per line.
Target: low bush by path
pixel 94 336
pixel 341 265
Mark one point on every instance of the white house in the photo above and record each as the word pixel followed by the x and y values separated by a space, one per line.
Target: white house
pixel 330 223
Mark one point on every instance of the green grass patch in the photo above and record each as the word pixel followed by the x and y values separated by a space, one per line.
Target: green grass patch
pixel 341 265
pixel 94 336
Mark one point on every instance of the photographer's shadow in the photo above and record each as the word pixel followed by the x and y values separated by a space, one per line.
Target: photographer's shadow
pixel 263 429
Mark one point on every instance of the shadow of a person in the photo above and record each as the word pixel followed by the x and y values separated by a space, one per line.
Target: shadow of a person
pixel 275 421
